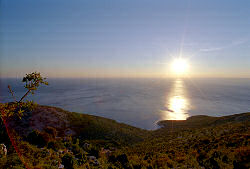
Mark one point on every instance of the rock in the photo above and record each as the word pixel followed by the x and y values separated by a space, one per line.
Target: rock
pixel 86 146
pixel 3 150
pixel 105 152
pixel 93 160
pixel 69 132
pixel 60 166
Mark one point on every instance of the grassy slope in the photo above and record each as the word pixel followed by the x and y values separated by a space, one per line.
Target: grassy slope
pixel 94 127
pixel 199 141
pixel 89 127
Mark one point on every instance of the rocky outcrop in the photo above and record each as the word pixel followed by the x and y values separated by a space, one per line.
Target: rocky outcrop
pixel 41 118
pixel 3 150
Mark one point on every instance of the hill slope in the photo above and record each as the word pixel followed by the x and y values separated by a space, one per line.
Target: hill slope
pixel 97 142
pixel 84 126
pixel 198 142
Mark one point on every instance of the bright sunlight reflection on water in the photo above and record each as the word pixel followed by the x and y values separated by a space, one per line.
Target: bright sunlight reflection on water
pixel 177 104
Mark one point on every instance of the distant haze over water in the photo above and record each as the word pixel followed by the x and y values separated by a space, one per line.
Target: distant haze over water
pixel 140 102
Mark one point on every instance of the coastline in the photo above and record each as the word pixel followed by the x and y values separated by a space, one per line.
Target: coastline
pixel 199 141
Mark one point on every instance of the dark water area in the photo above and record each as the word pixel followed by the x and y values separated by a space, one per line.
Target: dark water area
pixel 140 102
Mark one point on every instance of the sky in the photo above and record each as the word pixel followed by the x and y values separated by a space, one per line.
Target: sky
pixel 124 38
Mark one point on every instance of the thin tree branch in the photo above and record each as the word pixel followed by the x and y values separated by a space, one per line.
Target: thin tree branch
pixel 24 96
pixel 12 93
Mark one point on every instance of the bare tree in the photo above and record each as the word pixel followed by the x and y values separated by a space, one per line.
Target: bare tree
pixel 33 81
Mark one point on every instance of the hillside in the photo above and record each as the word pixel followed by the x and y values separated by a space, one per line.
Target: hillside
pixel 49 137
pixel 78 125
pixel 198 142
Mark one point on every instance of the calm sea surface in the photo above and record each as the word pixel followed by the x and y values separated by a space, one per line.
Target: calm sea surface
pixel 140 102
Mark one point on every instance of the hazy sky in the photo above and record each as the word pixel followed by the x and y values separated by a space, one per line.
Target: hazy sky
pixel 124 38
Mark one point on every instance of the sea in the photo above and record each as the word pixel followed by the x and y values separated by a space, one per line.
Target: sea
pixel 139 102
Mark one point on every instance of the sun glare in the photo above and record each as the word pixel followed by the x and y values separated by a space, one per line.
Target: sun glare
pixel 180 66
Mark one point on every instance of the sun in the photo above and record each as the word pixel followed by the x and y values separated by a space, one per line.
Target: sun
pixel 180 66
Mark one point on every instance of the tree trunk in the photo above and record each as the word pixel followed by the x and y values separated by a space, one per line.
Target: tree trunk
pixel 24 96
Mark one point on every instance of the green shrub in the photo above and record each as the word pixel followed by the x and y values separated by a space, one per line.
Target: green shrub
pixel 36 138
pixel 68 161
